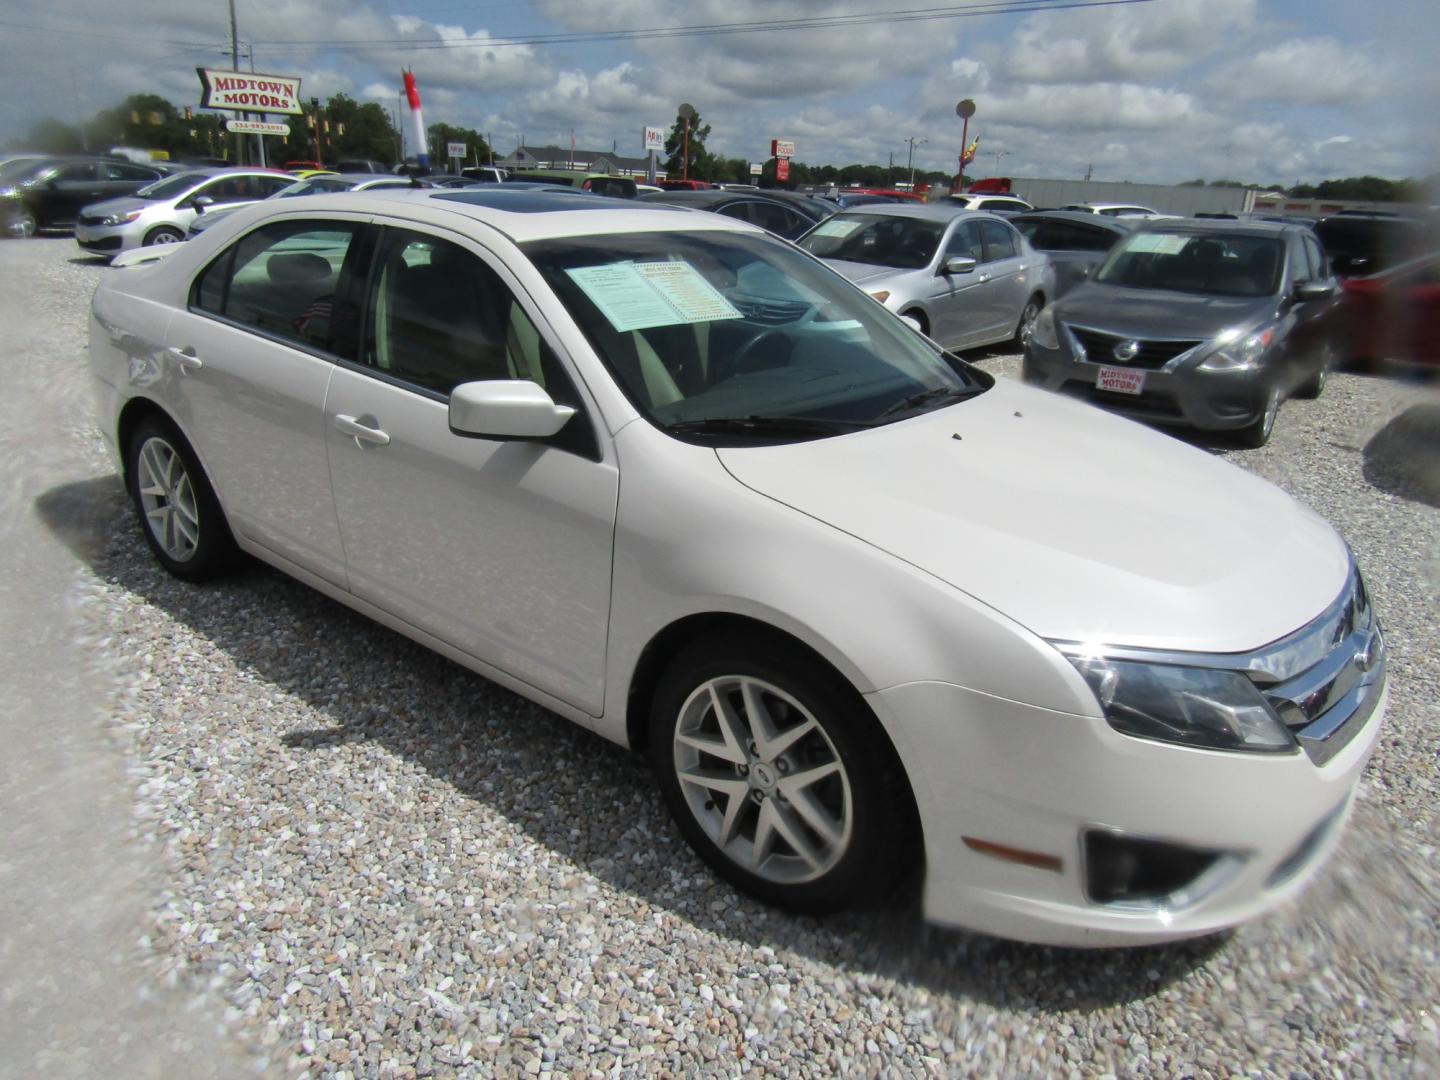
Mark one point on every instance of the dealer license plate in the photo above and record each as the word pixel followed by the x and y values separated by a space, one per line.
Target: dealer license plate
pixel 1120 380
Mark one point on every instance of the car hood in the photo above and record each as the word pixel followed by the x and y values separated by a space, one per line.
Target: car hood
pixel 1158 312
pixel 1078 524
pixel 868 275
pixel 122 205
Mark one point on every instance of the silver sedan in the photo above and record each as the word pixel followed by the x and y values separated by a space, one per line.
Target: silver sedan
pixel 966 278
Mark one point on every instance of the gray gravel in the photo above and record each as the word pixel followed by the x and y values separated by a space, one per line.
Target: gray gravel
pixel 388 866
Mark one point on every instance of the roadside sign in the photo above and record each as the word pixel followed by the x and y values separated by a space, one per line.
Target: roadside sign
pixel 654 138
pixel 782 148
pixel 247 92
pixel 756 168
pixel 456 149
pixel 782 170
pixel 256 127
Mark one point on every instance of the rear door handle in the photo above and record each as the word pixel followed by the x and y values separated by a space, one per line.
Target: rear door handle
pixel 352 427
pixel 185 357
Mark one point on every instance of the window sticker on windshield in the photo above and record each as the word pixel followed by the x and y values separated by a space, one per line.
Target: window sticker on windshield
pixel 1159 243
pixel 837 227
pixel 637 296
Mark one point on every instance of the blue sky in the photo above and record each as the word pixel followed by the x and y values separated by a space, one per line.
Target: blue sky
pixel 1166 90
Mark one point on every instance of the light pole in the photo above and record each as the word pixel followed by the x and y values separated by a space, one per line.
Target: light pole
pixel 964 109
pixel 910 162
pixel 998 155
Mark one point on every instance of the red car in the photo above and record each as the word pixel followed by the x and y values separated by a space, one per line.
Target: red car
pixel 1394 315
pixel 683 185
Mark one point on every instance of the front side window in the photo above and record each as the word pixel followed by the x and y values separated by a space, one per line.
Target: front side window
pixel 718 335
pixel 904 243
pixel 440 316
pixel 776 219
pixel 285 280
pixel 965 242
pixel 171 187
pixel 79 171
pixel 1220 264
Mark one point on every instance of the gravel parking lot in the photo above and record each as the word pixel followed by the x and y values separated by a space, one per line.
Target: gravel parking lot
pixel 374 863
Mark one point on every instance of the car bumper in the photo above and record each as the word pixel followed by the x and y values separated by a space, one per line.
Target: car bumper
pixel 996 780
pixel 107 239
pixel 1211 400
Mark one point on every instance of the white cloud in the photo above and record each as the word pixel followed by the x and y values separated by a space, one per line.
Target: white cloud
pixel 1309 71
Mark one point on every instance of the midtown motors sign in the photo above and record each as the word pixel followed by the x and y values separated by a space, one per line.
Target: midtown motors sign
pixel 248 92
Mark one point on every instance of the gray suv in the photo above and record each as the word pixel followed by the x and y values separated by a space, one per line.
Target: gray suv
pixel 1198 323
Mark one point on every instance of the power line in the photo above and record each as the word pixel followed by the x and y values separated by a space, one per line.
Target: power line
pixel 973 10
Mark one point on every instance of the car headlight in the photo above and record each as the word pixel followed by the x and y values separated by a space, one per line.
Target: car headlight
pixel 122 218
pixel 1238 351
pixel 1205 707
pixel 1042 330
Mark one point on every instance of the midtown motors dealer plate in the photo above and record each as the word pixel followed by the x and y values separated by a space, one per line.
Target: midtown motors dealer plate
pixel 1120 380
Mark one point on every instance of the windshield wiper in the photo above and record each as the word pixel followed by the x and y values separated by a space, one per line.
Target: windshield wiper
pixel 764 425
pixel 947 394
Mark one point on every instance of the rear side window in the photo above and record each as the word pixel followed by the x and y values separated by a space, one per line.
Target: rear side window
pixel 999 240
pixel 285 280
pixel 776 219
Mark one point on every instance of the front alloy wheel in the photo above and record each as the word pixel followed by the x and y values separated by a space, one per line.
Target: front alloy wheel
pixel 1258 433
pixel 763 779
pixel 778 774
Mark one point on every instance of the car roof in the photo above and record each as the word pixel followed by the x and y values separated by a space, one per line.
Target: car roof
pixel 1110 205
pixel 1220 225
pixel 939 211
pixel 1080 217
pixel 520 215
pixel 707 197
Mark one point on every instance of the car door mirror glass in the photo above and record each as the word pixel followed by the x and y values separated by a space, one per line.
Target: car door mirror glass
pixel 958 264
pixel 506 409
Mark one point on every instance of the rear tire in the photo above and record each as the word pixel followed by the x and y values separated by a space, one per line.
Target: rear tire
pixel 1027 319
pixel 737 725
pixel 178 513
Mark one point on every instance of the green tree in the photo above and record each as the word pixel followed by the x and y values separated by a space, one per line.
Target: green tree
pixel 477 149
pixel 700 163
pixel 359 131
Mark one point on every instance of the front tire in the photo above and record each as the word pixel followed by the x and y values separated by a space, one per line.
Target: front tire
pixel 778 774
pixel 1258 433
pixel 23 225
pixel 163 234
pixel 178 513
pixel 1314 386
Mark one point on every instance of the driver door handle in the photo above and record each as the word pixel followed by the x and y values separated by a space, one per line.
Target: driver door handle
pixel 185 357
pixel 352 427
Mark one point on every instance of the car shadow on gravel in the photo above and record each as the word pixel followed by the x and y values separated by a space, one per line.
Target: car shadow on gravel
pixel 605 815
pixel 1403 457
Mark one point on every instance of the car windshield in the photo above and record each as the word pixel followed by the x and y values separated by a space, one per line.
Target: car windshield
pixel 171 187
pixel 876 239
pixel 315 185
pixel 1219 264
pixel 722 335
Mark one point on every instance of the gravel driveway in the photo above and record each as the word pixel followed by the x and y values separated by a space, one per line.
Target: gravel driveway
pixel 385 865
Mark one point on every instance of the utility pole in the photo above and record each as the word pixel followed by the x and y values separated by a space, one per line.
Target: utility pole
pixel 910 163
pixel 998 155
pixel 239 141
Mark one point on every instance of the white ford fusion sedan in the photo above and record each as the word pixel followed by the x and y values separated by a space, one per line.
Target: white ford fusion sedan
pixel 867 610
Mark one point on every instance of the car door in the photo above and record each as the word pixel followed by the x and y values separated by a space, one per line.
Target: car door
pixel 1010 278
pixel 59 199
pixel 961 307
pixel 500 548
pixel 254 353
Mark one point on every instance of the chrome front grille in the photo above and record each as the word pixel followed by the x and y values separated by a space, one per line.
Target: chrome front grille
pixel 1326 680
pixel 1098 347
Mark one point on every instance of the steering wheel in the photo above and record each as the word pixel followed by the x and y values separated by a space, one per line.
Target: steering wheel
pixel 766 335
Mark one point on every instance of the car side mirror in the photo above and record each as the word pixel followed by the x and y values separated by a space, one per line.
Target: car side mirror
pixel 958 264
pixel 505 409
pixel 200 202
pixel 1314 290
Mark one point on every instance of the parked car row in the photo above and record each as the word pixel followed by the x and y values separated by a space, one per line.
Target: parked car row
pixel 687 487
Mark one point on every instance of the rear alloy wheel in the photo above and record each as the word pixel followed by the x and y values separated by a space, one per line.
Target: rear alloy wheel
pixel 778 776
pixel 163 234
pixel 23 225
pixel 177 509
pixel 1258 434
pixel 1027 320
